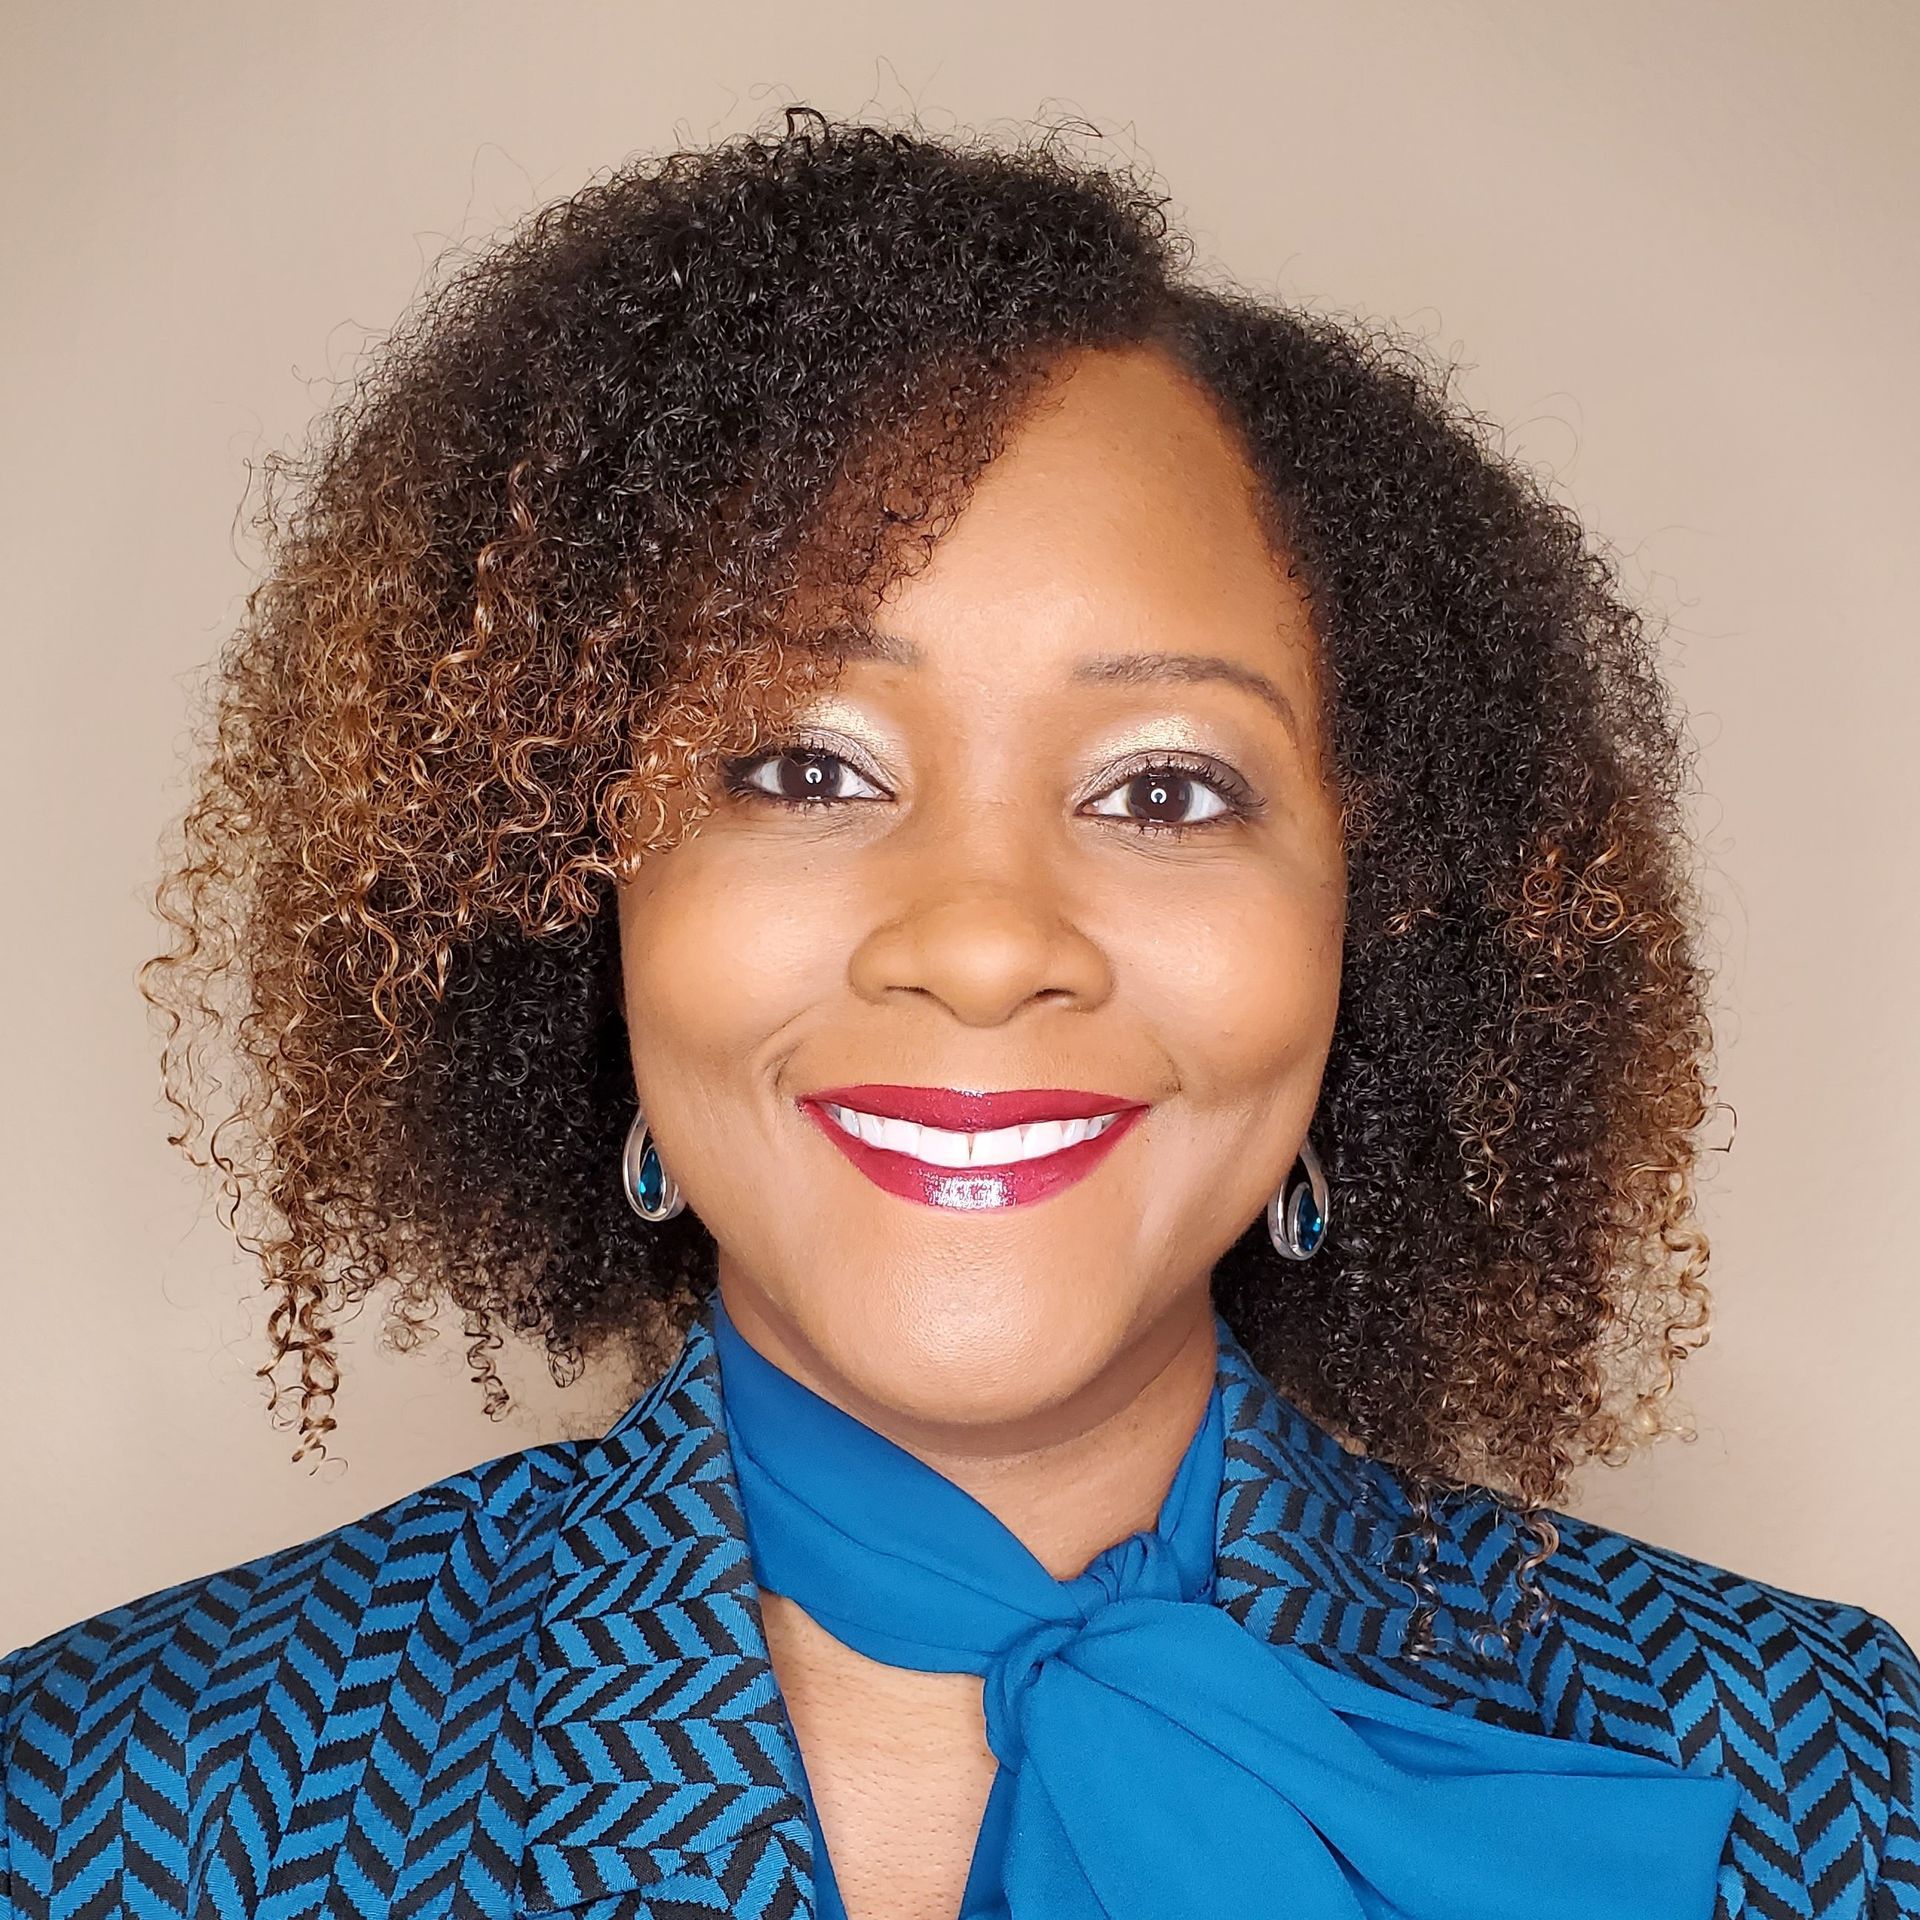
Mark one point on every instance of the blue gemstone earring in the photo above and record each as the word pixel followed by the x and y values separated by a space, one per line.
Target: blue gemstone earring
pixel 1297 1215
pixel 652 1192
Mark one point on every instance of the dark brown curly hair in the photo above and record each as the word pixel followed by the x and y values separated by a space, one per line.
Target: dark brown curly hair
pixel 590 523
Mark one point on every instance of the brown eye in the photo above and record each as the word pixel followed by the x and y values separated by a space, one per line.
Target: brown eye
pixel 799 777
pixel 1164 797
pixel 804 776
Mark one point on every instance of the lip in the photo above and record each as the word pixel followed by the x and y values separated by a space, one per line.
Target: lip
pixel 959 1111
pixel 974 1189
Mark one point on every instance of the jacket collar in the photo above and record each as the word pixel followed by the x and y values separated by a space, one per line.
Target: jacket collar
pixel 663 1762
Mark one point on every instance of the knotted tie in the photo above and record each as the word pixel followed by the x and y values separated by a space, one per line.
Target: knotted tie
pixel 1156 1760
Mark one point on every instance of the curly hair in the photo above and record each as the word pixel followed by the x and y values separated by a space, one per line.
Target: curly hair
pixel 590 521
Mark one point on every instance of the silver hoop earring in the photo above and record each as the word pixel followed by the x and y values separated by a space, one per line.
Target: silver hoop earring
pixel 1297 1215
pixel 652 1192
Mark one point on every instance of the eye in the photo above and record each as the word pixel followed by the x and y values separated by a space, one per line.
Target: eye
pixel 1170 796
pixel 799 776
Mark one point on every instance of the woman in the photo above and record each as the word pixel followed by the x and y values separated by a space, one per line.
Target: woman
pixel 1058 898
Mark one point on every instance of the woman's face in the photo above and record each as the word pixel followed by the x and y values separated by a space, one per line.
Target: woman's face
pixel 1071 840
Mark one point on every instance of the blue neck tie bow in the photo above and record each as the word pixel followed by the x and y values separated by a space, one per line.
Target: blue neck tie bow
pixel 1157 1762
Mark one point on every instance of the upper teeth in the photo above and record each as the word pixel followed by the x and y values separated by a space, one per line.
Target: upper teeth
pixel 1003 1147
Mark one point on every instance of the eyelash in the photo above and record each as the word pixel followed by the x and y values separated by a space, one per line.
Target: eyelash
pixel 1237 799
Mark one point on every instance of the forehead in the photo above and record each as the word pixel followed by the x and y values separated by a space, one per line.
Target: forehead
pixel 1118 441
pixel 1120 514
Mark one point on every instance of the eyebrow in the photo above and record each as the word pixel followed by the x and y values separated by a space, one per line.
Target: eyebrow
pixel 1125 669
pixel 1140 669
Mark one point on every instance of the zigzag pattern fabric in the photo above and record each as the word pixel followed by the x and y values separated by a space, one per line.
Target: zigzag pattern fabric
pixel 541 1686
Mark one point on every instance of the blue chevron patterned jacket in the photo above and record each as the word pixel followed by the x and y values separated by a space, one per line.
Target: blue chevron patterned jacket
pixel 541 1687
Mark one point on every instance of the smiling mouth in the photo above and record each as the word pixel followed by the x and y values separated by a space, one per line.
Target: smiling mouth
pixel 941 1147
pixel 1028 1155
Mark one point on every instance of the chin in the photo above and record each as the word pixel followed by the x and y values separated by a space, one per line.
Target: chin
pixel 980 1353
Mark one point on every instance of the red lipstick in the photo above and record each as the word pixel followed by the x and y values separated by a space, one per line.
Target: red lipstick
pixel 973 1189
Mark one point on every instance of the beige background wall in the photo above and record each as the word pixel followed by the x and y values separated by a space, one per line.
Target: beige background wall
pixel 1675 244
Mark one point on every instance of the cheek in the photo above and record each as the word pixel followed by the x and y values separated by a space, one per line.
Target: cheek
pixel 1243 981
pixel 718 953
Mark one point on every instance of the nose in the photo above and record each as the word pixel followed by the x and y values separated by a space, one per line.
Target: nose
pixel 984 928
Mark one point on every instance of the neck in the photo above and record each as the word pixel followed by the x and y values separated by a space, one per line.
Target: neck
pixel 1066 1481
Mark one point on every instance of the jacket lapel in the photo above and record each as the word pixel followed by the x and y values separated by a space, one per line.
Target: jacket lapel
pixel 1317 1549
pixel 659 1739
pixel 663 1762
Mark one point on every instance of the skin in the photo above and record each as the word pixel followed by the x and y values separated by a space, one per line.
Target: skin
pixel 981 909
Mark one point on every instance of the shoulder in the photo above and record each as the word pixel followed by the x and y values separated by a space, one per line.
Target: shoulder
pixel 1812 1705
pixel 164 1692
pixel 498 1501
pixel 1630 1596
